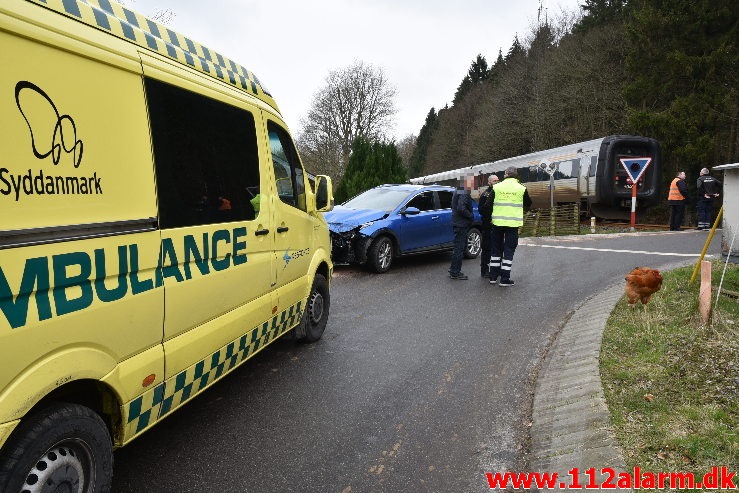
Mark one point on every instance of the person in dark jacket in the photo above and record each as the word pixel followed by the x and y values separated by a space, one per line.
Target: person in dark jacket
pixel 462 216
pixel 709 188
pixel 485 206
pixel 676 200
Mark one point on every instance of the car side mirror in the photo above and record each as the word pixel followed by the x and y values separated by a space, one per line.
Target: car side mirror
pixel 410 211
pixel 324 193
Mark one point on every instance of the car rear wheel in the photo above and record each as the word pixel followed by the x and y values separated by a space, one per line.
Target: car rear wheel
pixel 380 255
pixel 473 247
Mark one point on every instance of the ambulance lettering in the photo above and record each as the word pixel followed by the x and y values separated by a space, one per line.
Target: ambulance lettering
pixel 79 278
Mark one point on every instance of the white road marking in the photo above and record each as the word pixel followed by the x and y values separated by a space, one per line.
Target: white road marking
pixel 610 250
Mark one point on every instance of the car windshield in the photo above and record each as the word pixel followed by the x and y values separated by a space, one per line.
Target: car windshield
pixel 382 199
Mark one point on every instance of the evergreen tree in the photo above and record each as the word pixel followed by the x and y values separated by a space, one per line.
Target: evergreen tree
pixel 418 158
pixel 684 80
pixel 497 69
pixel 477 73
pixel 370 164
pixel 600 13
pixel 516 52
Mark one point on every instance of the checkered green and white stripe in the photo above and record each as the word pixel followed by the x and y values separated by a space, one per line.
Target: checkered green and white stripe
pixel 126 24
pixel 147 409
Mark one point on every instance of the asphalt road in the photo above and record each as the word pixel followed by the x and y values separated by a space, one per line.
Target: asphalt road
pixel 420 383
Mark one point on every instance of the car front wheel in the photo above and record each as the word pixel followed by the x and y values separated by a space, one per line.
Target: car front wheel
pixel 380 255
pixel 473 247
pixel 64 447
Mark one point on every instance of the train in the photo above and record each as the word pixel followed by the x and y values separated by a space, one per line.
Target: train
pixel 589 173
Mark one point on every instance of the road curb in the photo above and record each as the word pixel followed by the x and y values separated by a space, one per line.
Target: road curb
pixel 571 423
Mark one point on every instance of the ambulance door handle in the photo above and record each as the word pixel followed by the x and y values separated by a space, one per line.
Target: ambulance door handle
pixel 283 229
pixel 261 232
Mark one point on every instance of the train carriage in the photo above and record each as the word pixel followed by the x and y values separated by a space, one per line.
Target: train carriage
pixel 587 172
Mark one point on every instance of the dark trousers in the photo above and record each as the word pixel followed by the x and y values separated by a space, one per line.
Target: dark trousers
pixel 505 241
pixel 460 243
pixel 676 217
pixel 486 240
pixel 704 212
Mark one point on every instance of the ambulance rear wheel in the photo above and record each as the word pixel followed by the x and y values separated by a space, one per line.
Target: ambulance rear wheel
pixel 64 447
pixel 315 315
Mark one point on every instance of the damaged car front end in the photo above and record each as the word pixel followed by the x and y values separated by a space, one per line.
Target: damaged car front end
pixel 350 241
pixel 391 221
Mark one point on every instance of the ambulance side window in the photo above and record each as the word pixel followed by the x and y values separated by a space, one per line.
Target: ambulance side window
pixel 288 171
pixel 205 155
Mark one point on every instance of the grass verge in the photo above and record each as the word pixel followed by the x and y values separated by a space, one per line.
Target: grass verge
pixel 671 382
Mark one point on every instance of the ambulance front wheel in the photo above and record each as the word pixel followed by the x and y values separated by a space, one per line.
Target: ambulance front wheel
pixel 64 447
pixel 315 315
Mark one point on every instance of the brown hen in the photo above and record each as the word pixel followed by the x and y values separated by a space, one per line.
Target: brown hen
pixel 641 284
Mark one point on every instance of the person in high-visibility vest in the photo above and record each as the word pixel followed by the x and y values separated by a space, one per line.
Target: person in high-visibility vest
pixel 676 200
pixel 510 198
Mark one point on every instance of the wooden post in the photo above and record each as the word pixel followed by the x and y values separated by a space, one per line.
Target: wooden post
pixel 704 296
pixel 552 222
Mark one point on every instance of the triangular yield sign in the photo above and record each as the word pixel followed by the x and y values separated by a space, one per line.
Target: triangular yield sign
pixel 635 166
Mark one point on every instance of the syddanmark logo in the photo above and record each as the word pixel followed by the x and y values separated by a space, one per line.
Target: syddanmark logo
pixel 51 132
pixel 52 135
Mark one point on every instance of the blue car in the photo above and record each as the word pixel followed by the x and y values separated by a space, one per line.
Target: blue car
pixel 389 221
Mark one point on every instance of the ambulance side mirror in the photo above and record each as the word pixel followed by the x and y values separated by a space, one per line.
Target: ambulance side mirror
pixel 324 194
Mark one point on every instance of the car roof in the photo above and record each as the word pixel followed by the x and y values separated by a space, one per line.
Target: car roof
pixel 412 188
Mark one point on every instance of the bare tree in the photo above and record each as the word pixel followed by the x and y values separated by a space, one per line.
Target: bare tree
pixel 163 16
pixel 357 101
pixel 406 146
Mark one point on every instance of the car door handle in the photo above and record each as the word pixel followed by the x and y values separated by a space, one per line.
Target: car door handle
pixel 261 232
pixel 283 229
pixel 434 217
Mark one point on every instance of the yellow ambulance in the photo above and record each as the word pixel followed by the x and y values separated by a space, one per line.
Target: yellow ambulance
pixel 157 229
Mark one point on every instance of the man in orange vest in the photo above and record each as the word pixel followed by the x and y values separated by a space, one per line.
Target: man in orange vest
pixel 676 199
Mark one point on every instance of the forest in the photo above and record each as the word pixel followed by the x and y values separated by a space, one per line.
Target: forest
pixel 665 69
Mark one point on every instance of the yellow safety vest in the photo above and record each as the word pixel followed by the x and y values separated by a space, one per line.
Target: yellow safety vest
pixel 508 203
pixel 255 202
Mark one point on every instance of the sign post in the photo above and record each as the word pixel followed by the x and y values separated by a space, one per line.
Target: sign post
pixel 550 168
pixel 635 168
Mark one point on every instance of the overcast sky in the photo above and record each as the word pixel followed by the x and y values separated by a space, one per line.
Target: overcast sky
pixel 424 47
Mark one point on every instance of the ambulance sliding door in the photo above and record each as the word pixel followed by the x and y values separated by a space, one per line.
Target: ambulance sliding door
pixel 217 243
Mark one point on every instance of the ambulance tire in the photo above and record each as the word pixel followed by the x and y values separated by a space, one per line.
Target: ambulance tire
pixel 315 315
pixel 56 449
